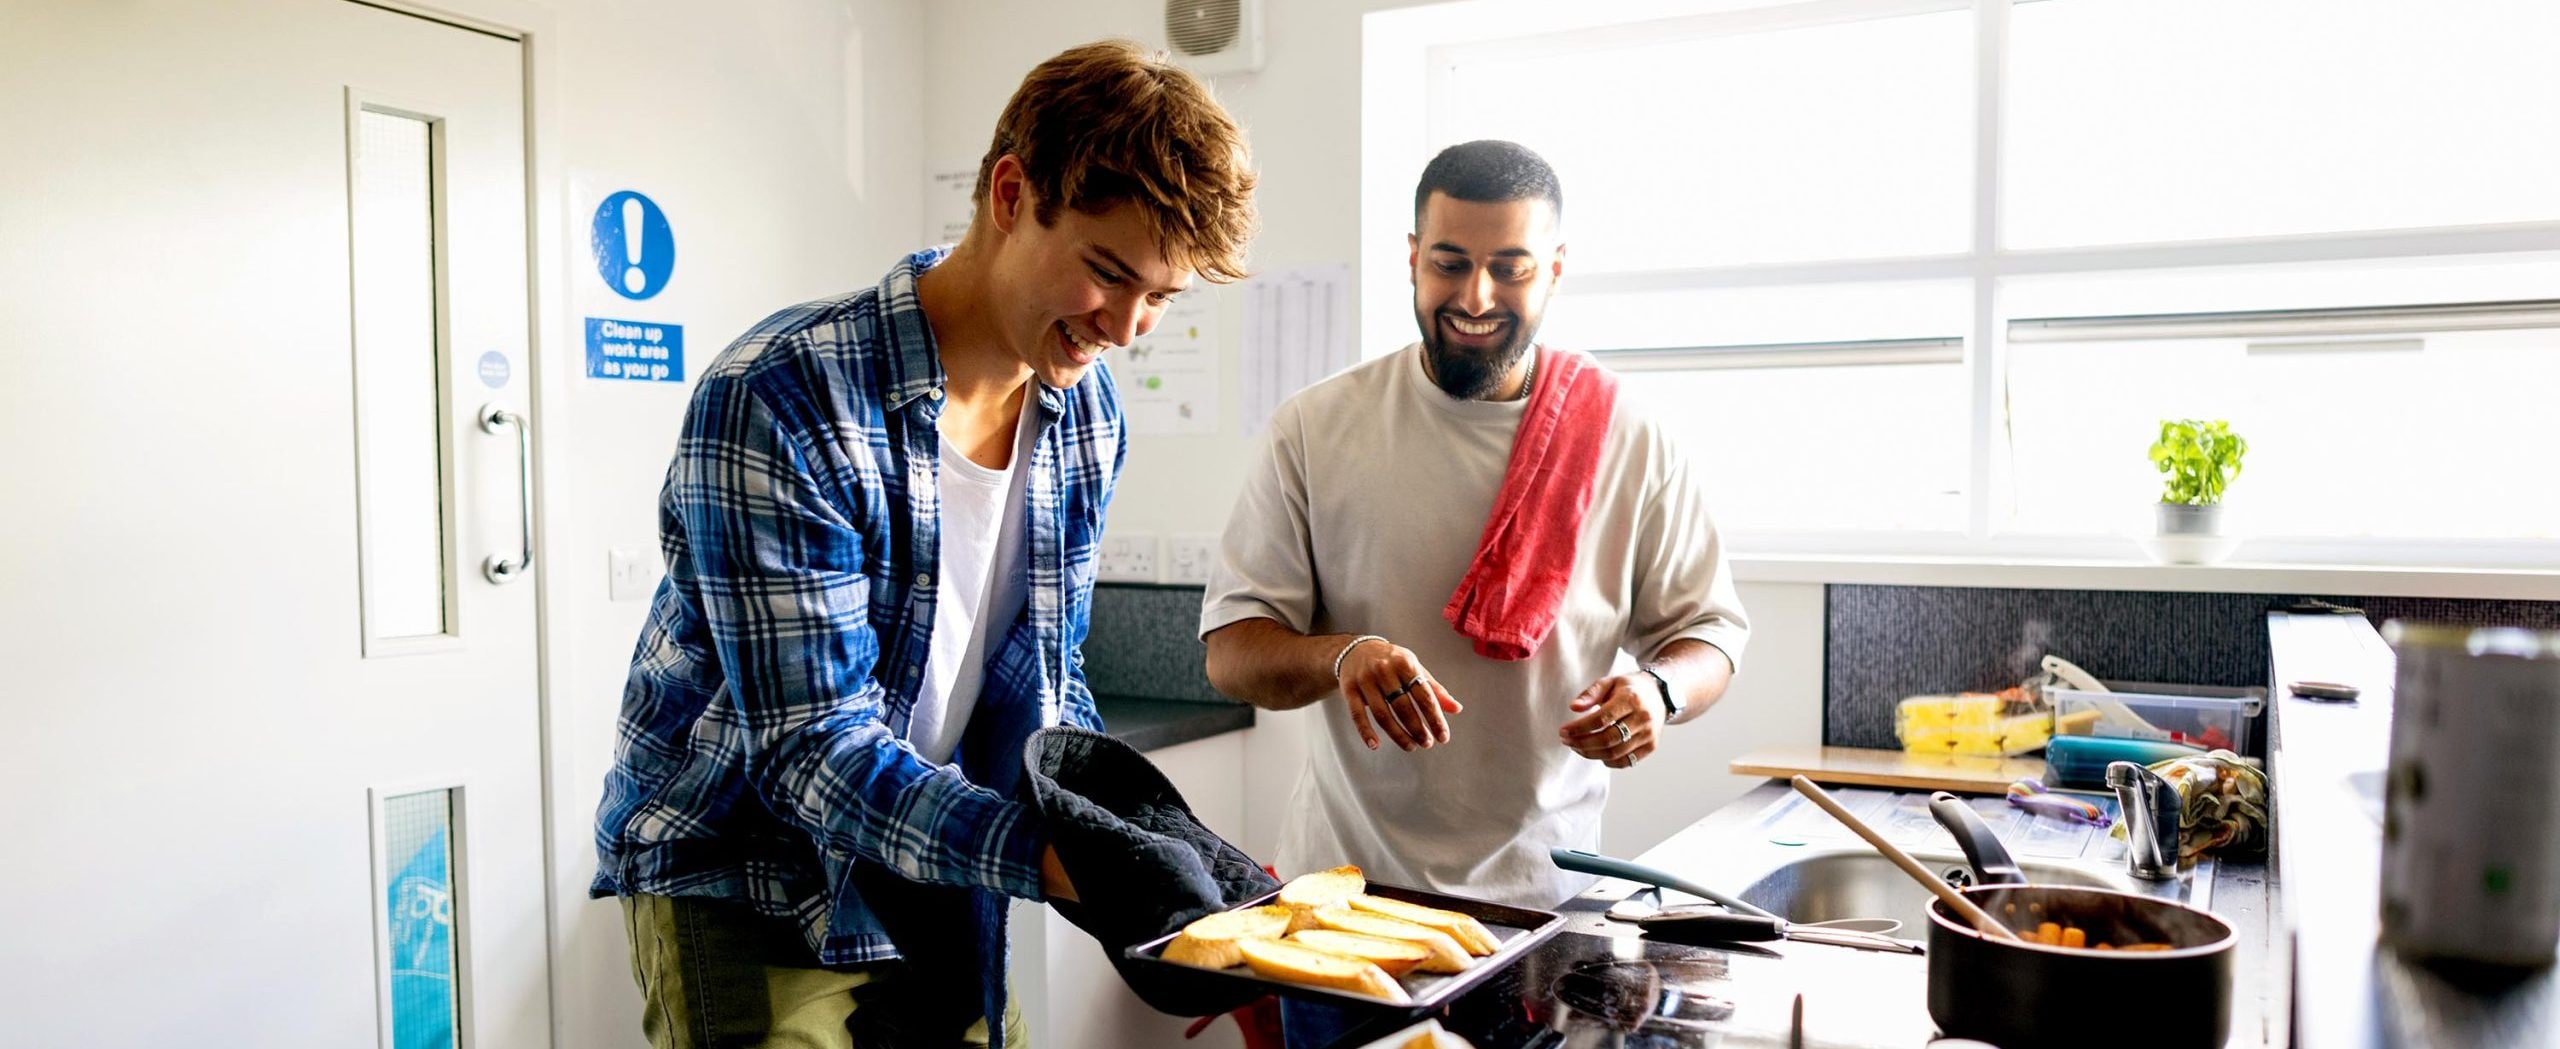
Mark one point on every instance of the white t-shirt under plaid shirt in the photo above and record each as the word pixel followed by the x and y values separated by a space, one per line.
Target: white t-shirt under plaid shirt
pixel 982 573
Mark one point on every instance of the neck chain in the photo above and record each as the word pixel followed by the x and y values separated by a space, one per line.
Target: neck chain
pixel 1529 379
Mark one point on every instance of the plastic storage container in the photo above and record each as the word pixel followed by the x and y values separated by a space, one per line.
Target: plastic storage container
pixel 2206 716
pixel 2080 762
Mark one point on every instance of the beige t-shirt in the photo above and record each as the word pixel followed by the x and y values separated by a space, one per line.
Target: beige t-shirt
pixel 1359 515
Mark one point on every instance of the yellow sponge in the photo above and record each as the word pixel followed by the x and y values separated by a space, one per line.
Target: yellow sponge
pixel 1976 723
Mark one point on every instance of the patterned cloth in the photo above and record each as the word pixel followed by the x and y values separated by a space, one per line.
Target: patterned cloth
pixel 763 753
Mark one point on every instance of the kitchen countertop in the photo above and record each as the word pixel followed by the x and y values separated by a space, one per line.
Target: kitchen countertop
pixel 2329 765
pixel 2308 968
pixel 1154 724
pixel 2242 892
pixel 1852 997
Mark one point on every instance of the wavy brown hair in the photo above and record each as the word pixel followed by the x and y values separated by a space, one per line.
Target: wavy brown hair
pixel 1110 123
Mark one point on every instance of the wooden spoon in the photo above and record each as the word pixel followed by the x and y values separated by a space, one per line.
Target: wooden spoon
pixel 1955 901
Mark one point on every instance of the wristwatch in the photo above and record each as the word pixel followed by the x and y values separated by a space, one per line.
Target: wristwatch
pixel 1670 701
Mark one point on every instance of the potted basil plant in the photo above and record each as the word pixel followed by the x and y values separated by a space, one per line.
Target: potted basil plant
pixel 2198 460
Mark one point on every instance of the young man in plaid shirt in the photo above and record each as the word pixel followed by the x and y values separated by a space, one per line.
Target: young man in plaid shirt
pixel 880 528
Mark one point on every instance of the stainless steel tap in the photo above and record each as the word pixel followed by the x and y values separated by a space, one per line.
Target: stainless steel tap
pixel 2151 810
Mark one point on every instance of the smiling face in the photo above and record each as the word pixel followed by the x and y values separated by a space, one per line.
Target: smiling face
pixel 1078 286
pixel 1482 275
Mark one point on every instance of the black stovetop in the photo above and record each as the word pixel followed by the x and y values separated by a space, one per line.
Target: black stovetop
pixel 1579 990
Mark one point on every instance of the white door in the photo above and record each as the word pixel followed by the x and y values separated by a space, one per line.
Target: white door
pixel 269 725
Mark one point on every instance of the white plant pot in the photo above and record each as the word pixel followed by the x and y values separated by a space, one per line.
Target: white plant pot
pixel 2190 535
pixel 2182 519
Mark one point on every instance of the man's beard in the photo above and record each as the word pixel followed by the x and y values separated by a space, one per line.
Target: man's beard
pixel 1467 374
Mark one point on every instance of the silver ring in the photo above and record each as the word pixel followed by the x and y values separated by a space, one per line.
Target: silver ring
pixel 1623 734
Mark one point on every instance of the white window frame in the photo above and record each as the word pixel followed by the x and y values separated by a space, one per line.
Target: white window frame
pixel 1985 265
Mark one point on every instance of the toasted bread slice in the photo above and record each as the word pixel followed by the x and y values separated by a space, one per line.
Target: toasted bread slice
pixel 1434 1036
pixel 1470 933
pixel 1397 957
pixel 1210 942
pixel 1307 892
pixel 1446 955
pixel 1300 964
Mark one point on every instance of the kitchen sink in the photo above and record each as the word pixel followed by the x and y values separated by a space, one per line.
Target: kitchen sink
pixel 1859 883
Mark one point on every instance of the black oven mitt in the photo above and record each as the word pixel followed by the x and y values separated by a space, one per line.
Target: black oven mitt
pixel 941 982
pixel 1143 866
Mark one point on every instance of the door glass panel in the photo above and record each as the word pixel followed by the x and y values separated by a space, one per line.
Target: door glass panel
pixel 399 405
pixel 418 856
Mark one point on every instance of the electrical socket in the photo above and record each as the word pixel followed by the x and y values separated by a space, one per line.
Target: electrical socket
pixel 1126 558
pixel 631 575
pixel 1188 559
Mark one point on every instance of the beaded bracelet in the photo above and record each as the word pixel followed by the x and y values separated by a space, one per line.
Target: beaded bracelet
pixel 1356 642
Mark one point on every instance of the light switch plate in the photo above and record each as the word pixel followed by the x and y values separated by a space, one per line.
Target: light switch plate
pixel 1188 559
pixel 1126 558
pixel 632 574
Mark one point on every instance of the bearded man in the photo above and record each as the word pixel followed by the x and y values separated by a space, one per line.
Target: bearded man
pixel 1449 547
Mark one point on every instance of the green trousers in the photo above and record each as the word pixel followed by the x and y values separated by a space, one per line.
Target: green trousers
pixel 715 974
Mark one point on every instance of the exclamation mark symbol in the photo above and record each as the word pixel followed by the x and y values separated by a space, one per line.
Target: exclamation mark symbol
pixel 633 280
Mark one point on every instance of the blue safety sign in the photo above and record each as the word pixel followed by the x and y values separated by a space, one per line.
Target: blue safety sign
pixel 635 250
pixel 635 351
pixel 494 369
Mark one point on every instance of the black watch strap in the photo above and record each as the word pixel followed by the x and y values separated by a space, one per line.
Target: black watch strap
pixel 1670 700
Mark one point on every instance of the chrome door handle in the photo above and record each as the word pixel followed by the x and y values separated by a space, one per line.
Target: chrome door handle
pixel 498 567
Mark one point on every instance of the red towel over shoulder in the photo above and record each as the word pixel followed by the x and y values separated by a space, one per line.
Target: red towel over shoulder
pixel 1508 601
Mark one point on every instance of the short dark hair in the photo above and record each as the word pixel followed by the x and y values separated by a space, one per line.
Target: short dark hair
pixel 1488 171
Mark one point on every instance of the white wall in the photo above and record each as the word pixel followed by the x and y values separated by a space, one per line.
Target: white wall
pixel 782 137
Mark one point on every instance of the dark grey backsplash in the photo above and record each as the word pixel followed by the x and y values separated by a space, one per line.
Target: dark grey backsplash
pixel 1883 643
pixel 1145 643
pixel 2537 615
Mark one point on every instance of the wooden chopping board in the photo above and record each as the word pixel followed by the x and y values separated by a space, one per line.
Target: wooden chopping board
pixel 1869 767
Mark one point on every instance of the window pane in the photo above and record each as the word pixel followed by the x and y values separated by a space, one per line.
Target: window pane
pixel 1843 448
pixel 2155 120
pixel 2461 445
pixel 1835 141
pixel 2434 436
pixel 417 837
pixel 399 413
pixel 2294 286
pixel 1755 315
pixel 1821 449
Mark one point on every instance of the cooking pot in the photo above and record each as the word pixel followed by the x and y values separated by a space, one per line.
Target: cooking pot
pixel 2023 994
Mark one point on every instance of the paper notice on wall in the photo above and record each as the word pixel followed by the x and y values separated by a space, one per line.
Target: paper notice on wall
pixel 1169 379
pixel 946 204
pixel 1297 329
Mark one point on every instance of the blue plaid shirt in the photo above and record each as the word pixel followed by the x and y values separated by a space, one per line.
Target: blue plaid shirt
pixel 763 748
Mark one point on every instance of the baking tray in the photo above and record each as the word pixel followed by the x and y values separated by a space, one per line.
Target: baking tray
pixel 1519 929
